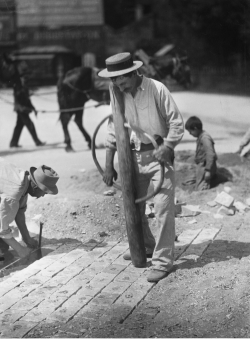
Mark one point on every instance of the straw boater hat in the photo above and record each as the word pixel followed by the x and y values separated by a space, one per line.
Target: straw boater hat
pixel 45 178
pixel 119 64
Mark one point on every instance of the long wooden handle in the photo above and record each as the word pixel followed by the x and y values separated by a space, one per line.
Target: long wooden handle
pixel 157 190
pixel 93 149
pixel 40 235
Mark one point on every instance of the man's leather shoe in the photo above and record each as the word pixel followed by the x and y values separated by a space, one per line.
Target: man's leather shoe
pixel 156 275
pixel 127 256
pixel 40 143
pixel 15 145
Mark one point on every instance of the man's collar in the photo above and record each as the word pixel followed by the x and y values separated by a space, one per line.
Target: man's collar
pixel 142 85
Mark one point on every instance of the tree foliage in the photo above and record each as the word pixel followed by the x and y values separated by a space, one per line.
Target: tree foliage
pixel 223 24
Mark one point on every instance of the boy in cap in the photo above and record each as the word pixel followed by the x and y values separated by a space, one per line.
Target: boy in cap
pixel 15 185
pixel 149 106
pixel 205 156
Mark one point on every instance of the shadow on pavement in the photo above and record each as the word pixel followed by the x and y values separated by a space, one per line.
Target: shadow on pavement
pixel 217 251
pixel 13 263
pixel 37 149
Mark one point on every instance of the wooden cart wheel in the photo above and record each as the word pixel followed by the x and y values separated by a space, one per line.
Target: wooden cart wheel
pixel 93 148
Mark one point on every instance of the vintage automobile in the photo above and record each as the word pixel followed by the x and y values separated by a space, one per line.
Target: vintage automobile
pixel 45 64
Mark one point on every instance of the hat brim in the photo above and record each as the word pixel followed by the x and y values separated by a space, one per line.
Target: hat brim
pixel 53 190
pixel 106 74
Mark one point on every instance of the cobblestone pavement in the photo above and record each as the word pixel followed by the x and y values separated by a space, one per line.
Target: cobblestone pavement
pixel 85 284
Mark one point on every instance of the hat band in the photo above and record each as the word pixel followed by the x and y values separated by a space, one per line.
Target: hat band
pixel 120 66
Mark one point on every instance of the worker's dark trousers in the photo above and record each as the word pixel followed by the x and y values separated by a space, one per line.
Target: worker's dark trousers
pixel 23 120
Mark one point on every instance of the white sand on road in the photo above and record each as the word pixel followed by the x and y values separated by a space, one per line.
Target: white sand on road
pixel 225 118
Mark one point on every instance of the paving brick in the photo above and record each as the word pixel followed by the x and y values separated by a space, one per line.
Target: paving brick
pixel 36 315
pixel 52 303
pixel 121 261
pixel 141 284
pixel 45 290
pixel 11 283
pixel 80 280
pixel 116 313
pixel 26 304
pixel 91 243
pixel 17 330
pixel 92 270
pixel 95 253
pixel 113 253
pixel 101 280
pixel 71 270
pixel 116 287
pixel 134 271
pixel 57 281
pixel 114 269
pixel 67 334
pixel 63 314
pixel 83 262
pixel 37 280
pixel 67 260
pixel 123 246
pixel 76 253
pixel 105 299
pixel 92 311
pixel 126 277
pixel 67 290
pixel 132 268
pixel 25 273
pixel 7 301
pixel 105 262
pixel 52 270
pixel 109 244
pixel 10 316
pixel 3 291
pixel 131 297
pixel 184 239
pixel 78 301
pixel 89 290
pixel 42 263
pixel 22 291
pixel 200 243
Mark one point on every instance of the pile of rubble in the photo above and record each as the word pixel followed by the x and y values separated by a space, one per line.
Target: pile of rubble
pixel 223 204
pixel 228 205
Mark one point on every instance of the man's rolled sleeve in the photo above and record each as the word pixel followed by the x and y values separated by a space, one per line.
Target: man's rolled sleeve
pixel 173 119
pixel 8 210
pixel 110 141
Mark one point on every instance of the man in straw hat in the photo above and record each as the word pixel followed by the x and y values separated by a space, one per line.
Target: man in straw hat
pixel 15 185
pixel 149 106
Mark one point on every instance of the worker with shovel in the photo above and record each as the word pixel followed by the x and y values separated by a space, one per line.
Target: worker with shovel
pixel 148 106
pixel 15 185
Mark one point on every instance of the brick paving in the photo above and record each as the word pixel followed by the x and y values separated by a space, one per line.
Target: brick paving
pixel 76 282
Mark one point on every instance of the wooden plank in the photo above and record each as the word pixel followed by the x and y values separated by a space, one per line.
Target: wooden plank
pixel 127 176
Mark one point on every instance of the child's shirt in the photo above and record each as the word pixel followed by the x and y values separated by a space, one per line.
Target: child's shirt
pixel 205 152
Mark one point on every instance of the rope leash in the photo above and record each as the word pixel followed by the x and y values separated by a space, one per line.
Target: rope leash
pixel 59 110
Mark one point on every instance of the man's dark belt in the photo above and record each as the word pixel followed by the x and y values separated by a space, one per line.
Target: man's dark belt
pixel 147 147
